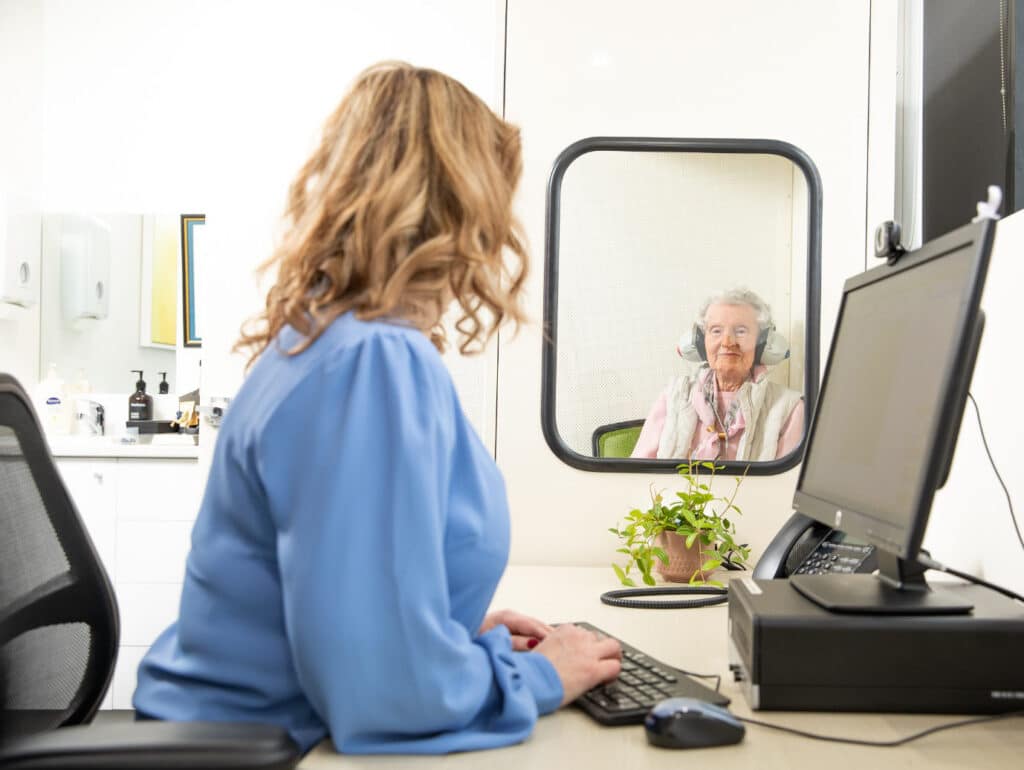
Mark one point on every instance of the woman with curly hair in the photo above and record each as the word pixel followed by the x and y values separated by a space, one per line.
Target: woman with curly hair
pixel 354 527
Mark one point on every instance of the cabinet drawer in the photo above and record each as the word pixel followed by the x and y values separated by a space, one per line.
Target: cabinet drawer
pixel 158 490
pixel 92 485
pixel 146 610
pixel 152 551
pixel 126 674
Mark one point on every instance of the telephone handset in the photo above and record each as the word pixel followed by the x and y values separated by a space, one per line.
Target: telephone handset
pixel 805 546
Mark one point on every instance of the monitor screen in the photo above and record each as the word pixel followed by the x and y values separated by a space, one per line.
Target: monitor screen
pixel 896 366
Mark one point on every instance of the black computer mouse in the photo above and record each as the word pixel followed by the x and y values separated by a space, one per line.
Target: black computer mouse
pixel 688 723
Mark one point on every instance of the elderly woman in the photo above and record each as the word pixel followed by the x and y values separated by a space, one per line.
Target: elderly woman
pixel 728 410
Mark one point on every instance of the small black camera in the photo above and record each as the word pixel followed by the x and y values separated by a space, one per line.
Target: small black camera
pixel 887 242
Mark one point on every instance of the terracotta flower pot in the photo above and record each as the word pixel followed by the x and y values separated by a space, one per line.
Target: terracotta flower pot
pixel 683 562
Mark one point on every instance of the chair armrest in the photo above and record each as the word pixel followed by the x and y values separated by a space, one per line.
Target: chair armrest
pixel 153 744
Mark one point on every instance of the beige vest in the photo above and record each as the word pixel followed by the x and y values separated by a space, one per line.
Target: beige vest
pixel 765 406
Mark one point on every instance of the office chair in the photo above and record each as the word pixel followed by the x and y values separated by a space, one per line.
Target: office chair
pixel 59 635
pixel 616 439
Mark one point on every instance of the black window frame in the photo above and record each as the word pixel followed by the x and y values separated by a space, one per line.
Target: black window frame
pixel 549 357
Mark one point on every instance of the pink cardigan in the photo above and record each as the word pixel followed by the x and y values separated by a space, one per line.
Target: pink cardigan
pixel 705 443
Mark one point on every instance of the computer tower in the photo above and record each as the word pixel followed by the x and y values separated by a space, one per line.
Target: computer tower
pixel 792 655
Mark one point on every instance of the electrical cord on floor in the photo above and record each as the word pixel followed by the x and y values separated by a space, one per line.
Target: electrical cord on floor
pixel 883 744
pixel 984 442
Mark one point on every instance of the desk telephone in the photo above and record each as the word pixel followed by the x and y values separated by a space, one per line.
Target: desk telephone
pixel 806 547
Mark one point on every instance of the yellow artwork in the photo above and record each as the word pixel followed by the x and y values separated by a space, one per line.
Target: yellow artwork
pixel 164 307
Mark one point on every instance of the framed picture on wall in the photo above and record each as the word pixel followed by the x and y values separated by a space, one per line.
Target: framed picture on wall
pixel 191 253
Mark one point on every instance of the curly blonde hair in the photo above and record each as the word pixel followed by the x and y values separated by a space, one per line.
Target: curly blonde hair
pixel 405 206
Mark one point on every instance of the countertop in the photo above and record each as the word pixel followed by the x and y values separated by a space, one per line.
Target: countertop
pixel 162 447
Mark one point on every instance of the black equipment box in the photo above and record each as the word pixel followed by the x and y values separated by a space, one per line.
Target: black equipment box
pixel 792 655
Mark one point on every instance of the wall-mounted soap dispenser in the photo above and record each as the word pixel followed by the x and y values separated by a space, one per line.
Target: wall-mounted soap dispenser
pixel 84 267
pixel 140 403
pixel 20 251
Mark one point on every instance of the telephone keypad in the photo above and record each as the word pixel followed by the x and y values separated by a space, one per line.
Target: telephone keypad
pixel 831 557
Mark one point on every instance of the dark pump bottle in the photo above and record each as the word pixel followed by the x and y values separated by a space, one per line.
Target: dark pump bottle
pixel 164 386
pixel 140 404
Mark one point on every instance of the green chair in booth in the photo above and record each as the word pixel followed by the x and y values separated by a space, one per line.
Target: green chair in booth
pixel 616 439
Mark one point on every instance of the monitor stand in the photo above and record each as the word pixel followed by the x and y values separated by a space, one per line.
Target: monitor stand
pixel 898 588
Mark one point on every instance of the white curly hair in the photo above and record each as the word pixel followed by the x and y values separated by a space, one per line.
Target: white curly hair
pixel 737 296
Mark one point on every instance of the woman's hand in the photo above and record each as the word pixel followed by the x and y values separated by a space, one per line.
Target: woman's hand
pixel 582 658
pixel 526 632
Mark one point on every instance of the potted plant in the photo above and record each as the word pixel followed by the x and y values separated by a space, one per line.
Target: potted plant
pixel 686 538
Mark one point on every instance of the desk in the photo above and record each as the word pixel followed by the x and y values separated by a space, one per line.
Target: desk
pixel 694 640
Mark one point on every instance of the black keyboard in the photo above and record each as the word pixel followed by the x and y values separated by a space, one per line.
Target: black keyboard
pixel 643 682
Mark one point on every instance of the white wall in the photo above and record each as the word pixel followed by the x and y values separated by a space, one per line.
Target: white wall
pixel 272 110
pixel 21 77
pixel 203 106
pixel 970 527
pixel 796 71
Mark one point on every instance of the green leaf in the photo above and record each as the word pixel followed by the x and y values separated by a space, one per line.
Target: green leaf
pixel 710 565
pixel 622 550
pixel 649 580
pixel 660 553
pixel 621 575
pixel 690 538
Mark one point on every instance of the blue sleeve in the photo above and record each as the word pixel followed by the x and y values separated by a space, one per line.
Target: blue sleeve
pixel 357 469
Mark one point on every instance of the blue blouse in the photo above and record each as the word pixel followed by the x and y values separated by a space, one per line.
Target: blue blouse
pixel 350 539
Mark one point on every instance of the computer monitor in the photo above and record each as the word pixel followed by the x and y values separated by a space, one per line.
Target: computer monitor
pixel 888 414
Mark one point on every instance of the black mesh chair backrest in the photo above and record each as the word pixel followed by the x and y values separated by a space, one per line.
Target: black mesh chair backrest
pixel 58 615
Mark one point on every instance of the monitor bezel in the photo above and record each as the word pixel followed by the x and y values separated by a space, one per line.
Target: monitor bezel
pixel 906 542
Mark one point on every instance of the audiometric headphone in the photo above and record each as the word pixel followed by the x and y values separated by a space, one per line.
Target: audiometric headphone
pixel 772 347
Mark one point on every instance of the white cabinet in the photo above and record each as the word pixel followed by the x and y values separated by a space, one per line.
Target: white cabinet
pixel 139 513
pixel 92 485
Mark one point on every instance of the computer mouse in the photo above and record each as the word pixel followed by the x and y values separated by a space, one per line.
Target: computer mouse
pixel 688 723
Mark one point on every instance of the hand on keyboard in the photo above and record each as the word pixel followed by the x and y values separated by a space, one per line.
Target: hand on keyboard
pixel 583 658
pixel 525 631
pixel 643 681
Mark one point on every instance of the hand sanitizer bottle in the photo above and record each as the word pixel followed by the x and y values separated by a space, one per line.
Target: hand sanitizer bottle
pixel 51 403
pixel 140 404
